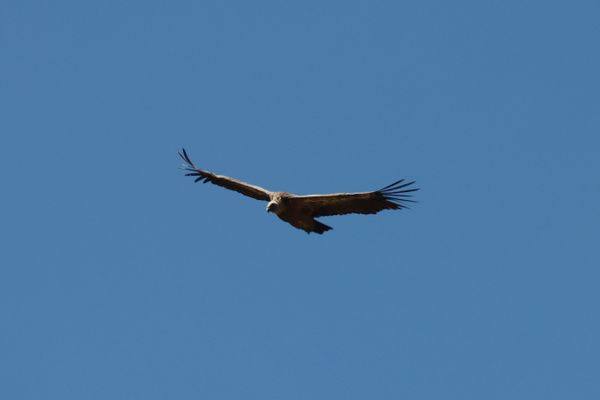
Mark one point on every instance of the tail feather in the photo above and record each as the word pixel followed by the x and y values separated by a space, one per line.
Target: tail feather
pixel 319 228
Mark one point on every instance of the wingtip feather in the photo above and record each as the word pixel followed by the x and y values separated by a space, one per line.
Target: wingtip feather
pixel 398 194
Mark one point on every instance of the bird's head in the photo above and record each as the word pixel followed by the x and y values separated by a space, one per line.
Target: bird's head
pixel 278 204
pixel 273 206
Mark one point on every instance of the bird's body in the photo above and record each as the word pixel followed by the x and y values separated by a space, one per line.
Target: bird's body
pixel 302 211
pixel 299 217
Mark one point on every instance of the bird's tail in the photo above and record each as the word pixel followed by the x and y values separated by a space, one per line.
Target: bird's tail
pixel 319 228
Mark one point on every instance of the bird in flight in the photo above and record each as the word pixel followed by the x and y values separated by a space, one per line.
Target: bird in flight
pixel 301 211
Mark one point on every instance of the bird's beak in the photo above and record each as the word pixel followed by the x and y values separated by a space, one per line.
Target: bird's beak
pixel 270 207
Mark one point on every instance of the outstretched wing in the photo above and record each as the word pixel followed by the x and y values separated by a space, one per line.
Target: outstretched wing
pixel 392 197
pixel 255 192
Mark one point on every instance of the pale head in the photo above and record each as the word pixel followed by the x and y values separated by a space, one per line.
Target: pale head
pixel 277 204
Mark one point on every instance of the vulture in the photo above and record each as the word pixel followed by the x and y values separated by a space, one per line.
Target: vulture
pixel 301 211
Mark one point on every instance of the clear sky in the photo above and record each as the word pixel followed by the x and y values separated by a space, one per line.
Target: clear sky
pixel 121 279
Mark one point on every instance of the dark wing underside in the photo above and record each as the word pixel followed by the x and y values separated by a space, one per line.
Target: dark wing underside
pixel 392 197
pixel 255 192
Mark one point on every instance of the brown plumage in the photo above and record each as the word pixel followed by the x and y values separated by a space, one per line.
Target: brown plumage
pixel 301 211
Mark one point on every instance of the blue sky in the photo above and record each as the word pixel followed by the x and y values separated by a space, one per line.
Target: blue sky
pixel 122 279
